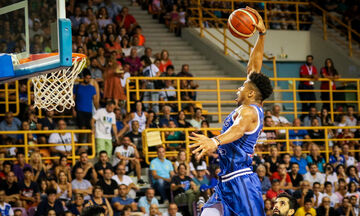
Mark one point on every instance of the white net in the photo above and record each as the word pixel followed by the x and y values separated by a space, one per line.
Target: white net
pixel 54 91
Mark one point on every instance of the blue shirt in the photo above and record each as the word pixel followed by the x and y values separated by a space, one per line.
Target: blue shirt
pixel 84 97
pixel 297 135
pixel 6 210
pixel 144 203
pixel 302 164
pixel 333 159
pixel 162 168
pixel 14 126
pixel 165 121
pixel 320 163
pixel 128 201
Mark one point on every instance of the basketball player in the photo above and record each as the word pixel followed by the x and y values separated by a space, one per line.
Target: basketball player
pixel 284 205
pixel 239 189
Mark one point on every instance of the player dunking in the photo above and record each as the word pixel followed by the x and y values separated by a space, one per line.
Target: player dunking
pixel 239 189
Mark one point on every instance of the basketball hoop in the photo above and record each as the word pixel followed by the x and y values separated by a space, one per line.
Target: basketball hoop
pixel 54 90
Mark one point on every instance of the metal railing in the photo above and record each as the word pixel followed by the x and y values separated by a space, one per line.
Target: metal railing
pixel 9 98
pixel 184 144
pixel 288 91
pixel 27 146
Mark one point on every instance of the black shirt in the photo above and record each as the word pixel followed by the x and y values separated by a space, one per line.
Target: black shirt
pixel 87 175
pixel 178 181
pixel 297 194
pixel 45 122
pixel 136 139
pixel 99 166
pixel 321 211
pixel 108 189
pixel 296 181
pixel 273 166
pixel 10 190
pixel 44 207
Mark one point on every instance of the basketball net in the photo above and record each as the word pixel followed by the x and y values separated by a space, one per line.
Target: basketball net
pixel 54 91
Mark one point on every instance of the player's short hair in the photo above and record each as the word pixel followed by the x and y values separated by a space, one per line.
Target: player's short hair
pixel 263 83
pixel 292 201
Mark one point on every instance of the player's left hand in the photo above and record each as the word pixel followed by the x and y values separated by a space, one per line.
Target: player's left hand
pixel 203 143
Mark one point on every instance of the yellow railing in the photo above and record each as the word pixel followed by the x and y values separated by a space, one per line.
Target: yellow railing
pixel 26 144
pixel 288 88
pixel 9 98
pixel 184 144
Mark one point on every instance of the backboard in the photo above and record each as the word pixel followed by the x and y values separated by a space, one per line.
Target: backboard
pixel 31 27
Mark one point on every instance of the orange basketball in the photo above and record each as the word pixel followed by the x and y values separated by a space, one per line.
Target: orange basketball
pixel 240 23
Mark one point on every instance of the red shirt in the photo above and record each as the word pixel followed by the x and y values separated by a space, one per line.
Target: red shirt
pixel 277 176
pixel 325 84
pixel 270 194
pixel 306 71
pixel 163 67
pixel 129 20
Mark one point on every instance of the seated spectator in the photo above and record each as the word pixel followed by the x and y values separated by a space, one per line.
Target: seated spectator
pixel 78 205
pixel 5 208
pixel 341 190
pixel 325 118
pixel 172 210
pixel 122 200
pixel 279 120
pixel 11 187
pixel 328 192
pixel 10 123
pixel 195 162
pixel 349 160
pixel 108 185
pixel 62 139
pixel 304 193
pixel 121 178
pixel 161 172
pixel 316 133
pixel 312 114
pixel 173 136
pixel 272 161
pixel 170 72
pixel 134 61
pixel 351 118
pixel 81 185
pixel 164 61
pixel 38 166
pixel 154 211
pixel 340 171
pixel 201 177
pixel 128 155
pixel 353 175
pixel 354 208
pixel 63 187
pixel 139 115
pixel 352 190
pixel 138 33
pixel 146 201
pixel 93 44
pixel 168 93
pixel 102 164
pixel 307 208
pixel 31 138
pixel 298 135
pixel 315 157
pixel 181 158
pixel 345 207
pixel 89 172
pixel 295 177
pixel 270 134
pixel 103 19
pixel 48 122
pixel 164 120
pixel 330 175
pixel 64 167
pixel 183 188
pixel 135 135
pixel 182 123
pixel 318 195
pixel 97 199
pixel 286 160
pixel 265 182
pixel 152 120
pixel 313 175
pixel 20 165
pixel 50 203
pixel 151 70
pixel 76 18
pixel 197 118
pixel 125 45
pixel 126 20
pixel 283 177
pixel 336 158
pixel 121 123
pixel 29 190
pixel 274 191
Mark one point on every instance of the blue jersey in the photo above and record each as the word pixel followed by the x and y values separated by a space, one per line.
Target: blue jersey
pixel 238 154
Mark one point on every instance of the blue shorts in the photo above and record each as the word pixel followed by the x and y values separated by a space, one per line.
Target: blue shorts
pixel 239 195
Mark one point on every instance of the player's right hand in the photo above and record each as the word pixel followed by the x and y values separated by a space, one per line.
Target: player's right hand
pixel 260 26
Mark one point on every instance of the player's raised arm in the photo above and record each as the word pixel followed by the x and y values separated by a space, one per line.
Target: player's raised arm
pixel 256 55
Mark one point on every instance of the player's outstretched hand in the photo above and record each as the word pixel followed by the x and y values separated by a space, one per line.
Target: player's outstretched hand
pixel 260 26
pixel 203 144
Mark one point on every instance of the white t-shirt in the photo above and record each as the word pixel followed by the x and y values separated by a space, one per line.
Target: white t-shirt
pixel 321 196
pixel 126 180
pixel 151 70
pixel 195 124
pixel 104 122
pixel 350 161
pixel 129 152
pixel 165 93
pixel 192 168
pixel 333 199
pixel 332 178
pixel 280 119
pixel 123 81
pixel 319 177
pixel 57 138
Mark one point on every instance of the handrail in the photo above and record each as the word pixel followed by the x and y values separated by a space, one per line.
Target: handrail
pixel 26 144
pixel 291 91
pixel 11 97
pixel 327 149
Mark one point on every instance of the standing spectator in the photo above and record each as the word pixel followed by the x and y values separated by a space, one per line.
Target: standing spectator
pixel 164 60
pixel 121 178
pixel 197 119
pixel 20 165
pixel 168 93
pixel 51 202
pixel 307 70
pixel 105 121
pixel 29 190
pixel 270 134
pixel 102 164
pixel 108 185
pixel 161 172
pixel 63 139
pixel 126 20
pixel 5 208
pixel 10 123
pixel 113 89
pixel 307 208
pixel 127 154
pixel 329 72
pixel 351 119
pixel 314 175
pixel 119 202
pixel 84 94
pixel 297 158
pixel 313 113
pixel 76 18
pixel 295 177
pixel 190 84
pixel 146 201
pixel 151 70
pixel 81 185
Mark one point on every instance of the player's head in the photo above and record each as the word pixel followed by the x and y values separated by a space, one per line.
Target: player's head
pixel 256 88
pixel 284 205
